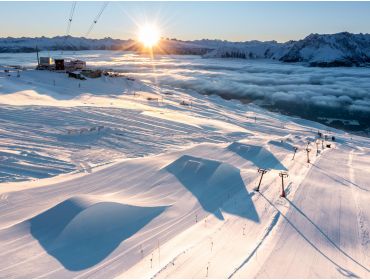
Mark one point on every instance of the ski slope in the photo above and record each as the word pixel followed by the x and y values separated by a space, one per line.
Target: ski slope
pixel 114 178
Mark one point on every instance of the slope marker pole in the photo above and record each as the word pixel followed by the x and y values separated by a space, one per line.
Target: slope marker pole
pixel 283 175
pixel 159 253
pixel 295 150
pixel 317 148
pixel 207 269
pixel 308 150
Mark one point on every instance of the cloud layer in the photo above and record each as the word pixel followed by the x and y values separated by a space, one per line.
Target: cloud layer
pixel 344 90
pixel 340 91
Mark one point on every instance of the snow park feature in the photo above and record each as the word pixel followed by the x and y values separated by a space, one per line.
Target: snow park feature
pixel 96 182
pixel 80 233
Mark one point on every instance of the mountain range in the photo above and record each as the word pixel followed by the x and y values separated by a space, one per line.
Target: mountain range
pixel 323 50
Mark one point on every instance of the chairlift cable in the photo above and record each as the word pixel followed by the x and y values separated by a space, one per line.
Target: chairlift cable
pixel 71 17
pixel 69 23
pixel 97 18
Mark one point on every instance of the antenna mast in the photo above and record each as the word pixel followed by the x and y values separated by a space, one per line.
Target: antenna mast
pixel 38 59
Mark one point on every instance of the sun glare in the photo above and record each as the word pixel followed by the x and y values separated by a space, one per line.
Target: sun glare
pixel 149 35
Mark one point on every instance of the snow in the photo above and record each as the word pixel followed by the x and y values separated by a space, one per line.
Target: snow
pixel 339 49
pixel 99 182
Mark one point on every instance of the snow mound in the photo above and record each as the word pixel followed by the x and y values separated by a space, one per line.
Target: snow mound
pixel 282 144
pixel 258 155
pixel 81 232
pixel 213 183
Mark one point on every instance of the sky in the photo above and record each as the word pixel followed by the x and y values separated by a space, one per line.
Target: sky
pixel 234 21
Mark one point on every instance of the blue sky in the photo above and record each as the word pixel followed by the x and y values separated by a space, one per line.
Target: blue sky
pixel 237 21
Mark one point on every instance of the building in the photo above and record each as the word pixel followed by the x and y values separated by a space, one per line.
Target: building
pixel 59 64
pixel 92 73
pixel 76 75
pixel 75 65
pixel 46 61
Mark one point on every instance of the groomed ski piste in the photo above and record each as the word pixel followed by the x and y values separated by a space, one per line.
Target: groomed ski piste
pixel 115 178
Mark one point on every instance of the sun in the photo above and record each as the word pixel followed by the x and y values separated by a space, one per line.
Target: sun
pixel 149 35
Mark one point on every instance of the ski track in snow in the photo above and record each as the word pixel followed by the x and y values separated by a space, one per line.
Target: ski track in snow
pixel 268 231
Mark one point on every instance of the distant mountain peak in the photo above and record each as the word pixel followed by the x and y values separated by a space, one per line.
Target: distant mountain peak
pixel 339 49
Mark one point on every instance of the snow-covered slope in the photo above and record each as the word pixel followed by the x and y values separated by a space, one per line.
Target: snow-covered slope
pixel 325 50
pixel 251 50
pixel 173 193
pixel 341 49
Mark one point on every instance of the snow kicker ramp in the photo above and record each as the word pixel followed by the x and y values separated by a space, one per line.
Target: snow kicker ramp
pixel 258 155
pixel 213 183
pixel 80 233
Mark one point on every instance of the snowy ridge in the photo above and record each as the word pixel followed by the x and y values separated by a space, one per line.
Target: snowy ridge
pixel 25 44
pixel 324 50
pixel 341 49
pixel 250 50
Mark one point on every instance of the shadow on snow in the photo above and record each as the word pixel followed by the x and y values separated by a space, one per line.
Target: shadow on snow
pixel 258 155
pixel 80 234
pixel 213 183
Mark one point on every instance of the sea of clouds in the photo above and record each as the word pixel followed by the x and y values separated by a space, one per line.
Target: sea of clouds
pixel 265 82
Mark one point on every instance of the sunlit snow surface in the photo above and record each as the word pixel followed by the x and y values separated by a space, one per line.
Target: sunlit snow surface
pixel 268 80
pixel 149 187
